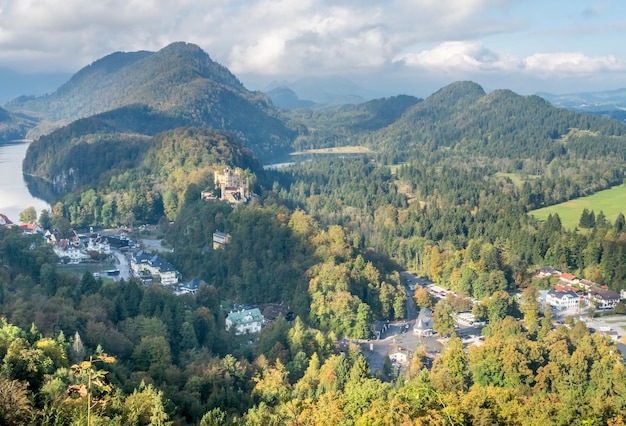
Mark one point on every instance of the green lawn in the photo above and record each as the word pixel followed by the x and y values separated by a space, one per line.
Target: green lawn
pixel 353 149
pixel 610 201
pixel 517 179
pixel 80 269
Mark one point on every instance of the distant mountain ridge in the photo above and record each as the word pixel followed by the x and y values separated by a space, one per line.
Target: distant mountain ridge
pixel 179 81
pixel 324 91
pixel 284 97
pixel 607 103
pixel 500 124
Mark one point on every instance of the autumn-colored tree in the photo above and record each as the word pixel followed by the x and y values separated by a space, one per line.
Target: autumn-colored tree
pixel 530 307
pixel 444 318
pixel 449 372
pixel 422 297
pixel 28 215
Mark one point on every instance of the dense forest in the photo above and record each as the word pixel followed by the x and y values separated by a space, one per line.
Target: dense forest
pixel 80 351
pixel 445 193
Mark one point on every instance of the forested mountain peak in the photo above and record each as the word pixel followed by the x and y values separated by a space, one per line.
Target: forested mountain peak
pixel 157 79
pixel 187 62
pixel 500 124
pixel 459 93
pixel 110 64
pixel 179 83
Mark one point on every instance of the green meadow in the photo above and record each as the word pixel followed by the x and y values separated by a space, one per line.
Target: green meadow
pixel 610 201
pixel 517 178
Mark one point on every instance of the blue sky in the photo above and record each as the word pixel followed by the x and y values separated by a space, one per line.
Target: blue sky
pixel 387 46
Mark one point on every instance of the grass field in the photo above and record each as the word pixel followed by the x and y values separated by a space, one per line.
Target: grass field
pixel 516 178
pixel 610 201
pixel 79 270
pixel 336 150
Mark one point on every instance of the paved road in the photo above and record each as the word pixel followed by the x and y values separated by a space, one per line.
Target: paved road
pixel 123 265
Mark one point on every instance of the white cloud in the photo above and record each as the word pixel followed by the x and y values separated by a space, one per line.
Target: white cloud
pixel 260 36
pixel 457 58
pixel 313 37
pixel 566 64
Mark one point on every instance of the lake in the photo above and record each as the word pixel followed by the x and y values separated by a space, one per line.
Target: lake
pixel 14 193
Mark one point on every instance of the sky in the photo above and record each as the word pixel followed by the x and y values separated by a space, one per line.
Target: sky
pixel 387 46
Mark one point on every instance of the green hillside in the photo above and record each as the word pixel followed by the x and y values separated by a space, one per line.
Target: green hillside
pixel 341 125
pixel 179 81
pixel 14 126
pixel 501 124
pixel 114 177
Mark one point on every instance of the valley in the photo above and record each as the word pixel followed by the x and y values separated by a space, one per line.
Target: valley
pixel 415 212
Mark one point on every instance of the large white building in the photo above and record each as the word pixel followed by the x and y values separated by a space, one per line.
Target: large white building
pixel 245 321
pixel 143 263
pixel 562 299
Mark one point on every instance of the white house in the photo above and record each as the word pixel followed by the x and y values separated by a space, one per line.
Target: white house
pixel 99 244
pixel 245 321
pixel 63 249
pixel 424 323
pixel 400 356
pixel 4 220
pixel 562 299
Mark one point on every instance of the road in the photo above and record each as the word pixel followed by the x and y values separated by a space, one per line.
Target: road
pixel 123 265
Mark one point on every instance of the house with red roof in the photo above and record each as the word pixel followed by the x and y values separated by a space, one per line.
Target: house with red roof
pixel 570 278
pixel 31 228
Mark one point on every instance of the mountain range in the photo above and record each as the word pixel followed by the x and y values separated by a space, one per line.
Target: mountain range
pixel 608 103
pixel 122 100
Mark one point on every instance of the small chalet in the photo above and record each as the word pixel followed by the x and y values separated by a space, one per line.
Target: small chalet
pixel 586 284
pixel 603 298
pixel 400 355
pixel 567 287
pixel 220 239
pixel 569 278
pixel 190 287
pixel 31 228
pixel 245 321
pixel 424 323
pixel 562 300
pixel 547 271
